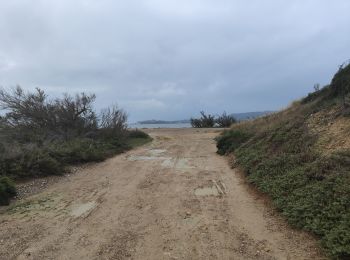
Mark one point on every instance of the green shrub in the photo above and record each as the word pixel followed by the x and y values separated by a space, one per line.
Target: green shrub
pixel 40 163
pixel 341 81
pixel 85 150
pixel 137 134
pixel 7 190
pixel 225 120
pixel 75 151
pixel 204 121
pixel 51 159
pixel 229 140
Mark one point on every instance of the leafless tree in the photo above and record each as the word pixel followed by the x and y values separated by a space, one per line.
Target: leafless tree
pixel 204 121
pixel 34 113
pixel 113 120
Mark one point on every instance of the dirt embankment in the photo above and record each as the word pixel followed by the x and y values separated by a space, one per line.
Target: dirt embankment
pixel 171 199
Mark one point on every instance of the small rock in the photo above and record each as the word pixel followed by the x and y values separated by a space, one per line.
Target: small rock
pixel 188 214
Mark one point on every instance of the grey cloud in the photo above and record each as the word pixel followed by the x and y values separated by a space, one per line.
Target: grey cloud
pixel 170 59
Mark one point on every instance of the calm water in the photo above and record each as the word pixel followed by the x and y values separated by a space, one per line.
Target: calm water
pixel 183 125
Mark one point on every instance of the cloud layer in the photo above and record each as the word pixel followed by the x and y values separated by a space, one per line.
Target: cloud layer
pixel 168 59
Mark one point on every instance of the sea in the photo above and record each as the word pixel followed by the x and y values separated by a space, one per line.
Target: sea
pixel 178 125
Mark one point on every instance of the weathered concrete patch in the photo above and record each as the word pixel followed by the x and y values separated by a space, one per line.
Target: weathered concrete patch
pixel 182 164
pixel 145 158
pixel 155 152
pixel 168 163
pixel 179 164
pixel 207 191
pixel 81 209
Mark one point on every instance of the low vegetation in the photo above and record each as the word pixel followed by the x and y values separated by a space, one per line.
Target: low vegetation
pixel 301 158
pixel 225 120
pixel 7 190
pixel 208 121
pixel 41 136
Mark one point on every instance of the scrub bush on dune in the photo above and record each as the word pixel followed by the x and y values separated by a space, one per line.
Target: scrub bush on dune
pixel 138 134
pixel 41 136
pixel 7 190
pixel 225 120
pixel 208 121
pixel 204 121
pixel 230 140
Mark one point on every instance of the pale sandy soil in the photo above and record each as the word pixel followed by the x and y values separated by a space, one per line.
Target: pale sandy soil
pixel 171 199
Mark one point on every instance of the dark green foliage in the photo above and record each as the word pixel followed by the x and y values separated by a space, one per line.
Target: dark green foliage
pixel 203 122
pixel 39 163
pixel 319 94
pixel 225 120
pixel 338 90
pixel 79 151
pixel 29 163
pixel 7 190
pixel 229 140
pixel 137 134
pixel 207 121
pixel 341 81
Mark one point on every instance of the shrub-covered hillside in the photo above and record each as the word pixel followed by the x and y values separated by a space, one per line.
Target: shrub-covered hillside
pixel 301 158
pixel 41 136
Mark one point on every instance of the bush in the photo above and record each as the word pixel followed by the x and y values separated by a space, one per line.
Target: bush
pixel 225 120
pixel 204 121
pixel 229 140
pixel 29 163
pixel 41 136
pixel 208 121
pixel 7 190
pixel 40 163
pixel 341 81
pixel 137 134
pixel 86 150
pixel 33 116
pixel 112 122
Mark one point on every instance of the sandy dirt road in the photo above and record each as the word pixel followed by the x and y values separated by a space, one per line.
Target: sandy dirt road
pixel 171 199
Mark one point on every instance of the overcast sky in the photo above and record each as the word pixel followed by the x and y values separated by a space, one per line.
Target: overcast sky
pixel 169 59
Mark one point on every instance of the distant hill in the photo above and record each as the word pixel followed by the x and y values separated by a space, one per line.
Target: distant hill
pixel 238 116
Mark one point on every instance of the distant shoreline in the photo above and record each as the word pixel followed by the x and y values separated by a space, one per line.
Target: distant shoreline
pixel 165 125
pixel 238 116
pixel 163 122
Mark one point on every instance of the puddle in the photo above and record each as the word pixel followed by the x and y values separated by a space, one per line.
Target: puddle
pixel 206 191
pixel 81 209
